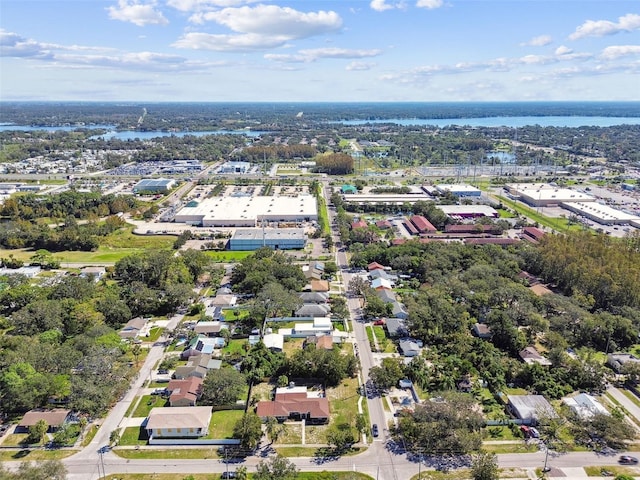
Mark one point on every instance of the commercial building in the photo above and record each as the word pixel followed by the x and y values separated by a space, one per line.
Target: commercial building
pixel 154 185
pixel 387 198
pixel 542 194
pixel 248 211
pixel 602 214
pixel 276 238
pixel 460 212
pixel 234 167
pixel 459 190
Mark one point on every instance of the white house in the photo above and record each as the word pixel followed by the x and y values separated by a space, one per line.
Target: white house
pixel 178 422
pixel 585 406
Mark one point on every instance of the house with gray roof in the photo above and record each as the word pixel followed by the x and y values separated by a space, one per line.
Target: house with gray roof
pixel 409 348
pixel 313 310
pixel 395 327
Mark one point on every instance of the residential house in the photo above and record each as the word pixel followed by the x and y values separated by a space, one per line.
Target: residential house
pixel 409 348
pixel 210 329
pixel 295 403
pixel 95 272
pixel 202 344
pixel 373 274
pixel 324 342
pixel 585 406
pixel 214 313
pixel 398 310
pixel 315 270
pixel 319 286
pixel 197 366
pixel 530 408
pixel 540 290
pixel 482 330
pixel 617 360
pixel 224 301
pixel 395 327
pixel 313 310
pixel 387 296
pixel 55 418
pixel 132 328
pixel 531 355
pixel 314 297
pixel 375 266
pixel 358 224
pixel 381 283
pixel 178 422
pixel 274 342
pixel 184 393
pixel 319 326
pixel 384 224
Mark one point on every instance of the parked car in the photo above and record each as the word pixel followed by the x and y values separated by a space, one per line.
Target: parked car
pixel 627 460
pixel 228 475
pixel 374 430
pixel 163 371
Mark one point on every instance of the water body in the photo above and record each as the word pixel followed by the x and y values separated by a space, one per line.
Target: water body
pixel 551 121
pixel 127 134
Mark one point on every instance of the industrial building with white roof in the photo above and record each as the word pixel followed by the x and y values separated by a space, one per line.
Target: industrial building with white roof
pixel 603 214
pixel 543 194
pixel 244 211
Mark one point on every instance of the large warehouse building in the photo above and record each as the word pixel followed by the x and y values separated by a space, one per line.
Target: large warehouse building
pixel 154 185
pixel 603 214
pixel 276 238
pixel 248 211
pixel 542 194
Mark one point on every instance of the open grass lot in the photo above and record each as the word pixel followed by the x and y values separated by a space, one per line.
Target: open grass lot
pixel 614 469
pixel 34 455
pixel 292 434
pixel 343 401
pixel 222 423
pixel 170 453
pixel 559 224
pixel 147 402
pixel 312 451
pixel 125 238
pixel 262 391
pixel 15 439
pixel 464 474
pixel 519 447
pixel 236 347
pixel 133 436
pixel 215 476
pixel 292 345
pixel 227 255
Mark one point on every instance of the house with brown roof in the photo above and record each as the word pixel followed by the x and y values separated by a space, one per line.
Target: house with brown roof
pixel 319 285
pixel 482 330
pixel 197 366
pixel 375 266
pixel 54 418
pixel 531 355
pixel 184 393
pixel 358 224
pixel 532 234
pixel 296 403
pixel 540 290
pixel 178 422
pixel 422 224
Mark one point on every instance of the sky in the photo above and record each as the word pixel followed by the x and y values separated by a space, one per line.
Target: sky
pixel 319 50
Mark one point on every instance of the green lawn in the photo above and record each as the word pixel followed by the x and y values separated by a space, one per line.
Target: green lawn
pixel 222 423
pixel 154 334
pixel 147 402
pixel 236 347
pixel 134 436
pixel 227 255
pixel 175 453
pixel 34 455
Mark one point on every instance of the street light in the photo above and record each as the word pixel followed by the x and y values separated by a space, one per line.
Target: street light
pixel 546 468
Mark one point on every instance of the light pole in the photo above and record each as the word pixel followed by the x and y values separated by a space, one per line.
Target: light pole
pixel 546 468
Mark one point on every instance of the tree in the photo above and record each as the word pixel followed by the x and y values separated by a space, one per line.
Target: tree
pixel 388 374
pixel 223 388
pixel 38 432
pixel 241 473
pixel 340 437
pixel 485 466
pixel 114 438
pixel 274 429
pixel 249 430
pixel 276 468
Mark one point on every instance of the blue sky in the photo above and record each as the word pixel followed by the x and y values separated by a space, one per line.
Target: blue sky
pixel 308 50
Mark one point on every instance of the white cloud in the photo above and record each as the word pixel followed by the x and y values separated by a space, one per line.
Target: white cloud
pixel 380 5
pixel 229 43
pixel 197 5
pixel 359 66
pixel 430 4
pixel 139 14
pixel 312 55
pixel 275 20
pixel 600 28
pixel 563 50
pixel 14 45
pixel 617 51
pixel 539 41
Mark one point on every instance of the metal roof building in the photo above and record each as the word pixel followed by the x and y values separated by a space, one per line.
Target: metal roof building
pixel 276 238
pixel 248 211
pixel 154 185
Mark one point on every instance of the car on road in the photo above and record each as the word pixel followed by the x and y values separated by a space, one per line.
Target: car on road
pixel 627 460
pixel 374 430
pixel 228 475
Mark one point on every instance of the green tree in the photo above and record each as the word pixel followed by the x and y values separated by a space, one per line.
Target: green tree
pixel 340 437
pixel 114 437
pixel 485 466
pixel 38 432
pixel 276 468
pixel 248 430
pixel 223 388
pixel 274 429
pixel 388 374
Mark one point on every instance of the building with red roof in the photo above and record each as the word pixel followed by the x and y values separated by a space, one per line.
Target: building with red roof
pixel 422 224
pixel 295 403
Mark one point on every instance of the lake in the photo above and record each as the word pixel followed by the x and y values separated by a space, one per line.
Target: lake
pixel 551 121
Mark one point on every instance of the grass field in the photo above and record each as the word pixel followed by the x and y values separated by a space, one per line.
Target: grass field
pixel 147 402
pixel 227 255
pixel 133 436
pixel 34 455
pixel 222 423
pixel 173 453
